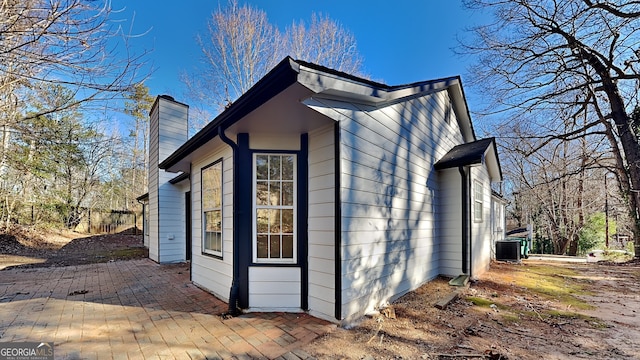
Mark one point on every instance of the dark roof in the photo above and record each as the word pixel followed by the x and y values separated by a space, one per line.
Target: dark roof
pixel 345 75
pixel 278 79
pixel 179 178
pixel 465 154
pixel 143 197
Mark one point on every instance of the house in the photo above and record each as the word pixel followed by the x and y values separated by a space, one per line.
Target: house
pixel 324 192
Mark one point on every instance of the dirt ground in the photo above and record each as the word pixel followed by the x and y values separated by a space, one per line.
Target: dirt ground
pixel 29 248
pixel 532 310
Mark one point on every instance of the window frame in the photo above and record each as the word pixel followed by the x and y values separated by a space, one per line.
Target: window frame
pixel 145 222
pixel 294 207
pixel 204 211
pixel 478 201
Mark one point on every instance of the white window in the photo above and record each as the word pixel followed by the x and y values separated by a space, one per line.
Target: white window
pixel 212 209
pixel 274 185
pixel 146 218
pixel 478 194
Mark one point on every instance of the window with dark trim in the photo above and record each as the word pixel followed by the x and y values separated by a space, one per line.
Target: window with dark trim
pixel 274 185
pixel 212 209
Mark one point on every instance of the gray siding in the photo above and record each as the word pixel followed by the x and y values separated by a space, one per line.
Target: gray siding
pixel 168 130
pixel 321 223
pixel 388 189
pixel 481 232
pixel 153 183
pixel 211 273
pixel 449 199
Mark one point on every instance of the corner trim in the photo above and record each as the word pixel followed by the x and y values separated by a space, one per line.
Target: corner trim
pixel 303 219
pixel 337 223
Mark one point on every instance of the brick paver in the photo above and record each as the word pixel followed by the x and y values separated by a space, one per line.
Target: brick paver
pixel 140 310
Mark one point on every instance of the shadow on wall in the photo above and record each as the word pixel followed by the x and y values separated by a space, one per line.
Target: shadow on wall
pixel 389 220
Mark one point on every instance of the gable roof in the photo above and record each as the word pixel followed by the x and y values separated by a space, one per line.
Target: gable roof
pixel 473 153
pixel 323 82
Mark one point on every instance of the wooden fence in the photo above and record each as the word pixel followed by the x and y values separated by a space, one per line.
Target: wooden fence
pixel 111 222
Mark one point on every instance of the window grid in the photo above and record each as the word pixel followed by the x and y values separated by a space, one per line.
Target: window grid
pixel 478 201
pixel 274 229
pixel 212 209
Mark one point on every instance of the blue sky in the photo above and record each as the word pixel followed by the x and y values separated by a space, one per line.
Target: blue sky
pixel 401 41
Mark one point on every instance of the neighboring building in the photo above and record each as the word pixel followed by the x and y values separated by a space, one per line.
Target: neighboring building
pixel 325 192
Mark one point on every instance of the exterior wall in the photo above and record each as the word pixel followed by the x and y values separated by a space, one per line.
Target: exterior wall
pixel 154 171
pixel 388 188
pixel 168 131
pixel 273 287
pixel 450 221
pixel 481 232
pixel 498 225
pixel 322 223
pixel 212 273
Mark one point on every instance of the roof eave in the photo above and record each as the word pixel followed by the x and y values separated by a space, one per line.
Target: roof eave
pixel 279 78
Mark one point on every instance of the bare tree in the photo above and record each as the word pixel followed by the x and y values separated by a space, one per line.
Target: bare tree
pixel 72 43
pixel 556 185
pixel 324 42
pixel 138 105
pixel 549 63
pixel 241 46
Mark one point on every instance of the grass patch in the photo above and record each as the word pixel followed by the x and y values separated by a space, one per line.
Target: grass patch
pixel 510 318
pixel 482 302
pixel 617 256
pixel 555 283
pixel 593 321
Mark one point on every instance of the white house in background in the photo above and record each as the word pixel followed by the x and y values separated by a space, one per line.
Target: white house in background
pixel 324 192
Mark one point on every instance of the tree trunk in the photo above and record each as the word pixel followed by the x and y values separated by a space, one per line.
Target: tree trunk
pixel 628 140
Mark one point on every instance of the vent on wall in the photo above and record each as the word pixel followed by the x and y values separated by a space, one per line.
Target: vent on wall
pixel 508 250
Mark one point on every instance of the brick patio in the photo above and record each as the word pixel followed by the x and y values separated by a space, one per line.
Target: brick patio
pixel 140 310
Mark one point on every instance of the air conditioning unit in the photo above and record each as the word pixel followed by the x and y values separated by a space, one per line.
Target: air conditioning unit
pixel 508 250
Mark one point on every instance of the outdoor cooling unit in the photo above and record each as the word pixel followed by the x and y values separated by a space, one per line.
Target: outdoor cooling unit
pixel 508 250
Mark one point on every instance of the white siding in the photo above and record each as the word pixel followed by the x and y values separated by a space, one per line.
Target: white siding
pixel 497 222
pixel 450 224
pixel 388 187
pixel 153 183
pixel 274 142
pixel 274 288
pixel 167 235
pixel 481 232
pixel 321 259
pixel 213 273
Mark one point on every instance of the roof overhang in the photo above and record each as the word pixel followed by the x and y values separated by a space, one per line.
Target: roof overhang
pixel 180 178
pixel 315 81
pixel 278 79
pixel 480 152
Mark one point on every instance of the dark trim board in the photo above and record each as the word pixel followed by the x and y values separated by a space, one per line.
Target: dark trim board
pixel 302 220
pixel 464 175
pixel 187 223
pixel 246 220
pixel 243 187
pixel 337 224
